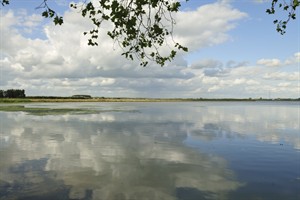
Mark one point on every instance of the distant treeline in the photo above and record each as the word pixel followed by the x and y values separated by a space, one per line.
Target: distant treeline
pixel 12 93
pixel 60 97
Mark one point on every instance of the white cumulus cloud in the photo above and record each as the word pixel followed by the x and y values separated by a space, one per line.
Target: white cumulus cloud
pixel 269 62
pixel 61 63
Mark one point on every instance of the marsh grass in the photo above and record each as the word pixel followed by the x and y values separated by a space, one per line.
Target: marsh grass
pixel 42 100
pixel 14 100
pixel 55 111
pixel 45 111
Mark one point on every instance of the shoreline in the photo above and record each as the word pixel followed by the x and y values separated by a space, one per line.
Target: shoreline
pixel 117 99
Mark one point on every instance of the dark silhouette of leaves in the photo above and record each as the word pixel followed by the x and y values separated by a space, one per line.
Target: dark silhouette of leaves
pixel 287 6
pixel 141 27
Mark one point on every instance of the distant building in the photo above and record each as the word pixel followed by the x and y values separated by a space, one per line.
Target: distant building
pixel 81 96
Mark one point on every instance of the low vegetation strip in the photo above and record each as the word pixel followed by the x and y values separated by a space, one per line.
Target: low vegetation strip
pixel 56 111
pixel 67 99
pixel 45 111
pixel 121 99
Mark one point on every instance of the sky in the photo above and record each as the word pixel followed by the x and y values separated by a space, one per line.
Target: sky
pixel 234 52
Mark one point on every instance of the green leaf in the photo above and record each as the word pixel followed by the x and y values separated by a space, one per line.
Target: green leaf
pixel 138 33
pixel 45 14
pixel 58 20
pixel 5 2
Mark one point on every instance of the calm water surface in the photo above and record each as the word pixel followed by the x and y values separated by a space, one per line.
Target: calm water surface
pixel 153 151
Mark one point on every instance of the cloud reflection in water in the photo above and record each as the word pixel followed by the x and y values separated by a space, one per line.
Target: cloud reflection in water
pixel 119 155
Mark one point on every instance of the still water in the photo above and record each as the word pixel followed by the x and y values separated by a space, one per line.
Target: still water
pixel 153 151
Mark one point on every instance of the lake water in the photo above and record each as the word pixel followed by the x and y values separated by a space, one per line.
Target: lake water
pixel 153 151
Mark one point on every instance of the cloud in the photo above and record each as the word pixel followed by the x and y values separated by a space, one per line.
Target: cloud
pixel 269 62
pixel 206 26
pixel 234 64
pixel 64 52
pixel 216 72
pixel 58 60
pixel 261 1
pixel 294 76
pixel 284 84
pixel 206 63
pixel 293 60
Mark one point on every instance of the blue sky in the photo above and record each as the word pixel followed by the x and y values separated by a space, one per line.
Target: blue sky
pixel 254 36
pixel 235 51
